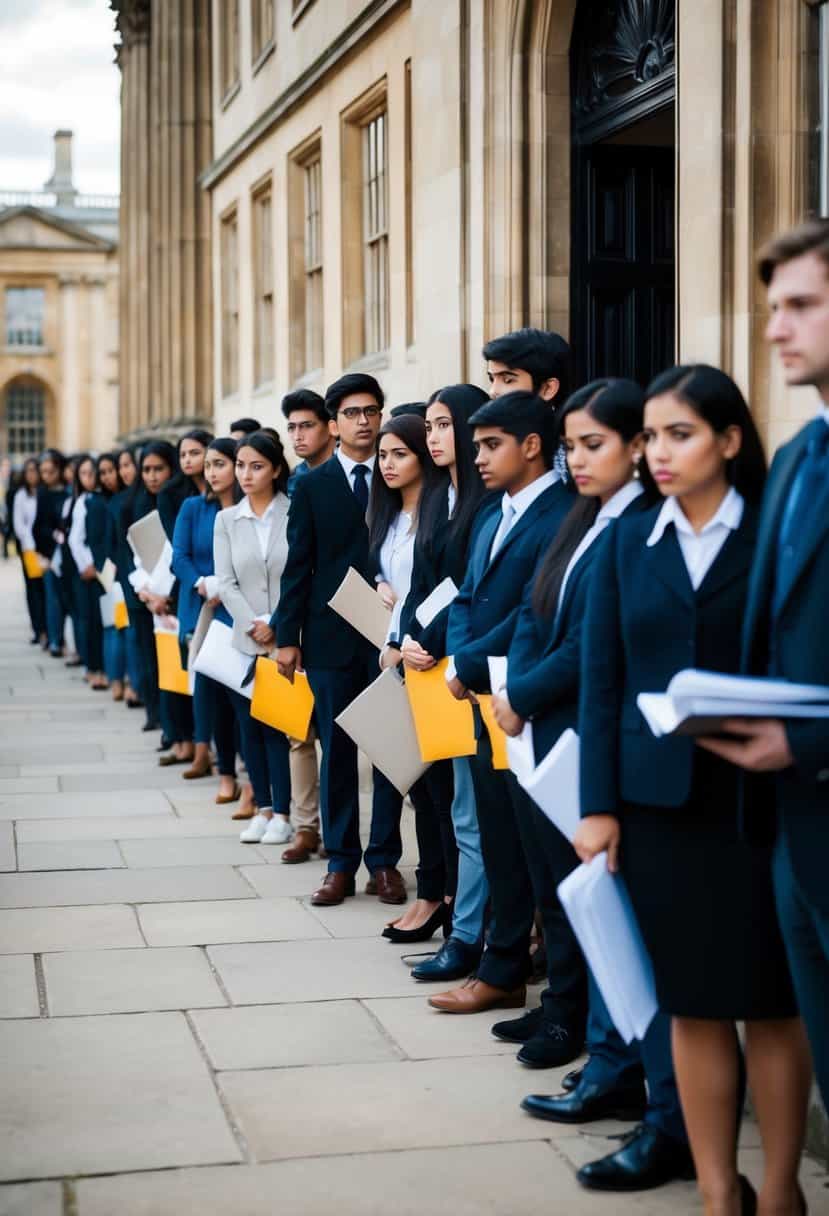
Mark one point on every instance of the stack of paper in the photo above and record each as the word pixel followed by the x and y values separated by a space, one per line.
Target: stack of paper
pixel 445 727
pixel 696 702
pixel 358 603
pixel 380 722
pixel 219 659
pixel 599 909
pixel 553 785
pixel 441 598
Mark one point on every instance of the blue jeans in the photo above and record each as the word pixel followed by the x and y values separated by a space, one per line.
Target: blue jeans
pixel 266 753
pixel 115 653
pixel 473 889
pixel 214 719
pixel 55 609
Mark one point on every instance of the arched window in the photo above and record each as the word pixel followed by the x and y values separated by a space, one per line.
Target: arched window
pixel 24 416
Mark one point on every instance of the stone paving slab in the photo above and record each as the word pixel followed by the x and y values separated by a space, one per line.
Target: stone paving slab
pixel 70 855
pixel 36 930
pixel 74 806
pixel 289 1036
pixel 254 920
pixel 165 884
pixel 104 1094
pixel 364 916
pixel 31 1199
pixel 132 827
pixel 423 1033
pixel 209 851
pixel 259 974
pixel 106 780
pixel 8 857
pixel 28 785
pixel 128 981
pixel 278 879
pixel 18 988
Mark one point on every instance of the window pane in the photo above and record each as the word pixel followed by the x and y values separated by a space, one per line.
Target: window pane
pixel 230 305
pixel 375 258
pixel 24 316
pixel 25 420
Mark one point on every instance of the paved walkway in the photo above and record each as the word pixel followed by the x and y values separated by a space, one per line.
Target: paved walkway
pixel 182 1033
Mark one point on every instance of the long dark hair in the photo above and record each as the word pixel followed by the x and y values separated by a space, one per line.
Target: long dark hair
pixel 138 501
pixel 715 397
pixel 384 503
pixel 81 458
pixel 112 457
pixel 227 447
pixel 31 462
pixel 620 406
pixel 269 445
pixel 462 400
pixel 181 485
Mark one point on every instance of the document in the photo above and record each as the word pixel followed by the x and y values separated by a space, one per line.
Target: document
pixel 120 614
pixel 172 676
pixel 435 603
pixel 696 702
pixel 106 576
pixel 497 665
pixel 553 785
pixel 380 722
pixel 445 727
pixel 357 602
pixel 599 909
pixel 147 539
pixel 279 703
pixel 31 563
pixel 219 659
pixel 203 623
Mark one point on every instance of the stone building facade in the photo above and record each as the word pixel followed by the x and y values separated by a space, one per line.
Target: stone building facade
pixel 59 302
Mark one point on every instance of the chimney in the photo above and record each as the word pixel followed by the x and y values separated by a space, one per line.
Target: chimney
pixel 61 180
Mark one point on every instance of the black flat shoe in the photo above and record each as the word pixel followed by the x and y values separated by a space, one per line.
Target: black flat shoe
pixel 441 918
pixel 151 726
pixel 586 1103
pixel 648 1158
pixel 454 961
pixel 571 1080
pixel 134 704
pixel 748 1197
pixel 551 1046
pixel 519 1030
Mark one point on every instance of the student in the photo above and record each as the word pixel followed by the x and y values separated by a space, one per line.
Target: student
pixel 529 360
pixel 68 571
pixel 122 556
pixel 101 538
pixel 250 548
pixel 23 514
pixel 127 467
pixel 192 565
pixel 243 427
pixel 327 534
pixel 86 588
pixel 515 440
pixel 309 429
pixel 46 530
pixel 669 592
pixel 447 511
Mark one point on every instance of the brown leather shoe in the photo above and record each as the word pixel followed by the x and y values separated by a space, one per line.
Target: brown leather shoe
pixel 335 887
pixel 388 884
pixel 304 844
pixel 474 996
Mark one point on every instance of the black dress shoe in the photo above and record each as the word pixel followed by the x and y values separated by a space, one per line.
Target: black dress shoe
pixel 441 918
pixel 518 1030
pixel 151 725
pixel 454 961
pixel 571 1079
pixel 586 1103
pixel 551 1046
pixel 648 1158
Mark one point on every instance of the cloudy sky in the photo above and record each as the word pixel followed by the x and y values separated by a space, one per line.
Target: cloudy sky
pixel 57 70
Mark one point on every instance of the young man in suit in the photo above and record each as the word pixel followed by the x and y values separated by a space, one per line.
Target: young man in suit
pixel 327 533
pixel 514 441
pixel 785 631
pixel 309 429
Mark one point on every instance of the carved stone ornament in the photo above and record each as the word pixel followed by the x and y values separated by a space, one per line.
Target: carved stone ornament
pixel 619 45
pixel 132 20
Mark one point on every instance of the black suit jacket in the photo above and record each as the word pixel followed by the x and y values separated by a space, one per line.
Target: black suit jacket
pixel 327 533
pixel 48 519
pixel 795 646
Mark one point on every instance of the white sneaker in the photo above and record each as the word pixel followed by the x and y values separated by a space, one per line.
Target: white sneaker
pixel 255 830
pixel 279 831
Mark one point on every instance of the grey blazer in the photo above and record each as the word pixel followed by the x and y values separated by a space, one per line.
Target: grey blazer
pixel 249 586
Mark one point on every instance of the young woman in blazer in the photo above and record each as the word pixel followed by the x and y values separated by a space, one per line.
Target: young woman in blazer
pixel 125 461
pixel 250 548
pixel 46 531
pixel 198 585
pixel 668 592
pixel 24 512
pixel 86 589
pixel 101 538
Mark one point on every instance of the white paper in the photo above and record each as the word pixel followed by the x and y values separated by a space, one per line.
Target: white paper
pixel 599 909
pixel 106 576
pixel 695 683
pixel 358 603
pixel 107 607
pixel 219 659
pixel 381 723
pixel 162 580
pixel 497 665
pixel 147 539
pixel 704 715
pixel 553 785
pixel 435 603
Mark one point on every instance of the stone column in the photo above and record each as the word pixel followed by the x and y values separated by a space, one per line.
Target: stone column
pixel 69 405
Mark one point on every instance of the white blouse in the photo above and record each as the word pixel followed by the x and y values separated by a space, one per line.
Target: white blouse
pixel 77 537
pixel 699 549
pixel 396 564
pixel 24 510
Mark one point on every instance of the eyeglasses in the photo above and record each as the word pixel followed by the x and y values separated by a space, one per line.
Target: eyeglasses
pixel 301 426
pixel 353 412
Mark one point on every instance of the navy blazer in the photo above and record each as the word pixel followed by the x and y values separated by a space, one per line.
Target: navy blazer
pixel 98 528
pixel 483 616
pixel 193 559
pixel 48 519
pixel 644 623
pixel 327 533
pixel 795 646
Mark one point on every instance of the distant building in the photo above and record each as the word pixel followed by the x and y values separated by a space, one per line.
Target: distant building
pixel 59 315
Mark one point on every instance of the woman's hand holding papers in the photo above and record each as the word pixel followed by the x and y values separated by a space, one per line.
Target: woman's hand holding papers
pixel 599 834
pixel 506 717
pixel 415 656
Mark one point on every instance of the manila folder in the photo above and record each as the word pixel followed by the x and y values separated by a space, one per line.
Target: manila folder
pixel 147 539
pixel 380 722
pixel 358 603
pixel 445 727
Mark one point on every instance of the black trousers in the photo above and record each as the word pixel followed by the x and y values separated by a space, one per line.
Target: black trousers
pixel 35 601
pixel 142 621
pixel 431 797
pixel 550 858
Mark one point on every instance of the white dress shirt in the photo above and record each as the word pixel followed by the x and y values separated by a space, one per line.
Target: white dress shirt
pixel 452 496
pixel 699 549
pixel 78 547
pixel 611 510
pixel 261 523
pixel 349 465
pixel 396 562
pixel 24 510
pixel 512 508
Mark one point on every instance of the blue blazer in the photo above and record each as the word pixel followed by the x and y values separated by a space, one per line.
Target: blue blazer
pixel 483 616
pixel 98 528
pixel 795 646
pixel 193 559
pixel 644 623
pixel 327 533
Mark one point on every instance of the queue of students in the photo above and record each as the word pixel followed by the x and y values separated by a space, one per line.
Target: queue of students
pixel 659 545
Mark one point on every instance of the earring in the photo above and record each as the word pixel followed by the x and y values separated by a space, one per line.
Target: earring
pixel 636 474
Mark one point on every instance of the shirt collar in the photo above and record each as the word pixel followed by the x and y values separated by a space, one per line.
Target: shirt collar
pixel 349 465
pixel 526 497
pixel 728 515
pixel 824 412
pixel 619 502
pixel 246 511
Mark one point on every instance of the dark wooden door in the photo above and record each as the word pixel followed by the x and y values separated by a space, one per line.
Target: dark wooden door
pixel 623 251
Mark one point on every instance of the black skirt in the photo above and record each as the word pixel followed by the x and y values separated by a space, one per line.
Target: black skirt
pixel 704 899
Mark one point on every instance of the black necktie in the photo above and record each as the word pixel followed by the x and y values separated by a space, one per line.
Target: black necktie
pixel 361 472
pixel 810 482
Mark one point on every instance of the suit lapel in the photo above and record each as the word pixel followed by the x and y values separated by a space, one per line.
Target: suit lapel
pixel 530 516
pixel 342 487
pixel 280 514
pixel 485 538
pixel 818 526
pixel 734 558
pixel 665 562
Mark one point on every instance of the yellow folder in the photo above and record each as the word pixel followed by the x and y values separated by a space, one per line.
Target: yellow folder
pixel 445 727
pixel 497 738
pixel 279 703
pixel 120 615
pixel 171 675
pixel 31 564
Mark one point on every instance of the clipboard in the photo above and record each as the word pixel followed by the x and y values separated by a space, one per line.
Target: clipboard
pixel 381 723
pixel 279 703
pixel 445 727
pixel 147 539
pixel 31 564
pixel 172 677
pixel 357 602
